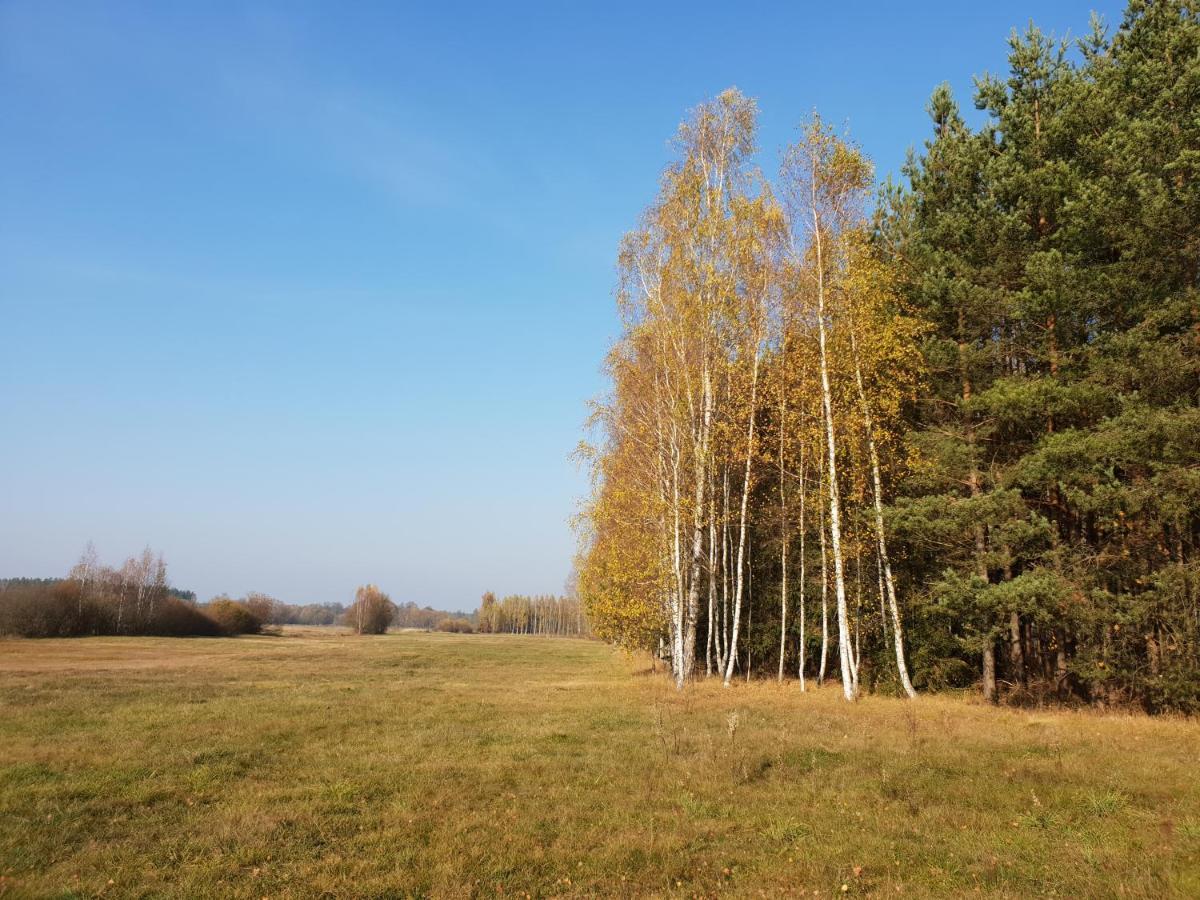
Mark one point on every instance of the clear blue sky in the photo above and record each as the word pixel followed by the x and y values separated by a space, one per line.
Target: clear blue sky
pixel 308 295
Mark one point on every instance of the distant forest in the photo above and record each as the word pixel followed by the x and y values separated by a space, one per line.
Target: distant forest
pixel 542 614
pixel 137 598
pixel 940 435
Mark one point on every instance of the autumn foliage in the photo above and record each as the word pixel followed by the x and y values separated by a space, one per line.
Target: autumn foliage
pixel 942 436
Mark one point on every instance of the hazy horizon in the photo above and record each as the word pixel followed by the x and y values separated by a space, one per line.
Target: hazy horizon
pixel 307 298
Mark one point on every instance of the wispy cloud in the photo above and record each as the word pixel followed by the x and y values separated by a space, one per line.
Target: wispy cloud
pixel 260 73
pixel 390 146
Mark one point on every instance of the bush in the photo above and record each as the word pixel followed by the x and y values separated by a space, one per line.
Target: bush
pixel 456 625
pixel 179 618
pixel 233 617
pixel 43 610
pixel 265 608
pixel 62 610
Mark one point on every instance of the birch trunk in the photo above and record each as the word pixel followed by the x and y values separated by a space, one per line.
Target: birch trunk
pixel 783 537
pixel 741 554
pixel 803 686
pixel 880 534
pixel 824 602
pixel 712 588
pixel 723 598
pixel 835 507
pixel 700 482
pixel 677 596
pixel 856 656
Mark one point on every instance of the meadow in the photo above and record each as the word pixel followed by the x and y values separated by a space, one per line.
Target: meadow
pixel 317 763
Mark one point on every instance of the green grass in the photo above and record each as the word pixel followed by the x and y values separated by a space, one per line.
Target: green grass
pixel 438 765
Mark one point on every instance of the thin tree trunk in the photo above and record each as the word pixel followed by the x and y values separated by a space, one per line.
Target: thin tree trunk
pixel 667 461
pixel 856 657
pixel 700 479
pixel 749 610
pixel 783 538
pixel 835 505
pixel 803 636
pixel 824 604
pixel 725 576
pixel 677 596
pixel 712 586
pixel 1060 662
pixel 989 645
pixel 879 587
pixel 989 671
pixel 741 556
pixel 1016 655
pixel 881 537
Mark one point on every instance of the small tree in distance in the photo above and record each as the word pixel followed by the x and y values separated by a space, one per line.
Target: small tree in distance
pixel 373 611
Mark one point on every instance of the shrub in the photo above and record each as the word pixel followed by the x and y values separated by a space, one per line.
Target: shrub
pixel 233 617
pixel 265 608
pixel 456 625
pixel 43 610
pixel 179 618
pixel 63 610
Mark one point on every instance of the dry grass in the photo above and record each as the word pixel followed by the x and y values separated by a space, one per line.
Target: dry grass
pixel 429 764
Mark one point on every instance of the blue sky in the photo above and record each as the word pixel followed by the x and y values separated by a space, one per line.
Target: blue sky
pixel 309 295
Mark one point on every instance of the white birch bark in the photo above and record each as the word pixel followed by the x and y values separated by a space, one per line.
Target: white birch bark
pixel 803 636
pixel 700 482
pixel 711 638
pixel 880 534
pixel 824 600
pixel 835 510
pixel 783 538
pixel 741 554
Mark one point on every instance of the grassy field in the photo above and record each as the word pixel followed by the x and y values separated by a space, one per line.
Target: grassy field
pixel 415 764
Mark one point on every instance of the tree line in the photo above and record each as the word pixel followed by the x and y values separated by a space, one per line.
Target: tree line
pixel 133 598
pixel 541 614
pixel 940 434
pixel 137 598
